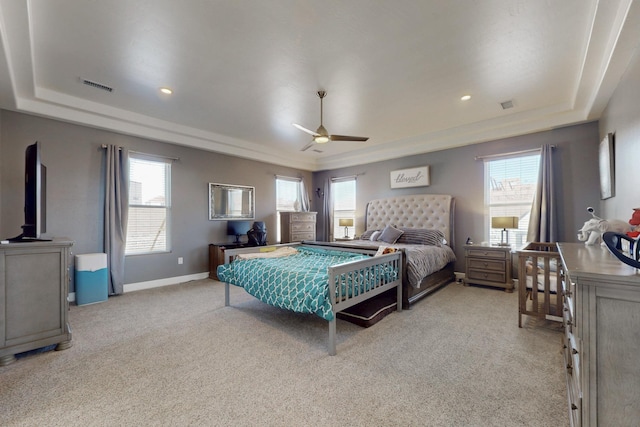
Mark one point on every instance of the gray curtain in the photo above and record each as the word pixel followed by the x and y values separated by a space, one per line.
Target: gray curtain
pixel 303 197
pixel 116 212
pixel 543 222
pixel 327 210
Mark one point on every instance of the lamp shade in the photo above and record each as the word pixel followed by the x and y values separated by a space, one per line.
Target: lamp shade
pixel 504 222
pixel 346 222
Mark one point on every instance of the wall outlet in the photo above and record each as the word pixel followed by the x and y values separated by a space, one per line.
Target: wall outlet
pixel 180 260
pixel 459 276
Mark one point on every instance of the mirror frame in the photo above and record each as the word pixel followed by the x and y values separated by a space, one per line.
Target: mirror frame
pixel 213 215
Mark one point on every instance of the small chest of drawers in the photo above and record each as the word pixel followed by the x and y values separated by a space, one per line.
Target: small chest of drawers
pixel 297 226
pixel 601 313
pixel 489 266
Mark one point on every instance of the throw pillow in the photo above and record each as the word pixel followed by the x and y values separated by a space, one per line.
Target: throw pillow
pixel 390 234
pixel 367 234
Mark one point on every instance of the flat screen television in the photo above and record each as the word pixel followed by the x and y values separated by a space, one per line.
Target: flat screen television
pixel 35 196
pixel 238 228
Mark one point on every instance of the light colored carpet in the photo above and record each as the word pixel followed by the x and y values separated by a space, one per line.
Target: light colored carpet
pixel 177 356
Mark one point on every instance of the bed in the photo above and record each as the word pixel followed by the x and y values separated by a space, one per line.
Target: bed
pixel 540 278
pixel 312 279
pixel 421 217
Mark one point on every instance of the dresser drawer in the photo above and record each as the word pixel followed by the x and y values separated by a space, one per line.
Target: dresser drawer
pixel 302 226
pixel 303 217
pixel 298 237
pixel 486 253
pixel 572 371
pixel 486 264
pixel 487 276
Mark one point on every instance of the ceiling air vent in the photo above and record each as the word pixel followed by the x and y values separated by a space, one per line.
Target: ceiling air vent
pixel 506 105
pixel 97 85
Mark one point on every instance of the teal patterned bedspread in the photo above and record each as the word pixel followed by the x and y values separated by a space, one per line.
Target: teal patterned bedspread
pixel 297 282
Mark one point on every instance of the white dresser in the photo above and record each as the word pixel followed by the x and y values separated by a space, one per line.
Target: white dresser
pixel 602 336
pixel 297 226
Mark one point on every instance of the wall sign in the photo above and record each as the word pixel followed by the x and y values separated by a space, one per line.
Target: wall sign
pixel 414 177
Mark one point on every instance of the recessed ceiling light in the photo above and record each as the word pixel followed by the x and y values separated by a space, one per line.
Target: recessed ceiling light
pixel 465 98
pixel 166 90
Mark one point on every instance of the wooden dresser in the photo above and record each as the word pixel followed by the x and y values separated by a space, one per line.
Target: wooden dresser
pixel 601 298
pixel 34 286
pixel 216 256
pixel 489 266
pixel 297 226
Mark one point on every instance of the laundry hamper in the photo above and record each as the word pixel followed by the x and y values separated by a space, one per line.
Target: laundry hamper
pixel 539 282
pixel 91 278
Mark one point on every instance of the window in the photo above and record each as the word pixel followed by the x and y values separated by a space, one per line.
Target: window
pixel 343 192
pixel 149 205
pixel 286 197
pixel 510 184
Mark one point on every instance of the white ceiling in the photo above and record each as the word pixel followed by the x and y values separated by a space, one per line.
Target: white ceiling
pixel 243 71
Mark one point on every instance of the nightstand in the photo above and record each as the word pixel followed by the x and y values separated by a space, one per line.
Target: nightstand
pixel 489 266
pixel 216 256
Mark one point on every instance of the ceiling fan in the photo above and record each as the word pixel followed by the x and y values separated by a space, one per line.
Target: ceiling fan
pixel 321 136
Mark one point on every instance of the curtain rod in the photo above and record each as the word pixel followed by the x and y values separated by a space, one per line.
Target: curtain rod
pixel 290 178
pixel 342 178
pixel 513 153
pixel 150 155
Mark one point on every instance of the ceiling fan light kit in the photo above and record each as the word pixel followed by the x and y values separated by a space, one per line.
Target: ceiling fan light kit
pixel 321 135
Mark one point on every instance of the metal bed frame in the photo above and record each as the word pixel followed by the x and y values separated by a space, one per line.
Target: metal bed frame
pixel 345 298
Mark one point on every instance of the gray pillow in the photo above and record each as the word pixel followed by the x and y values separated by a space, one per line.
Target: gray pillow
pixel 390 234
pixel 421 236
pixel 367 234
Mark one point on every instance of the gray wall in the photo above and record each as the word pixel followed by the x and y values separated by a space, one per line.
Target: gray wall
pixel 622 117
pixel 75 179
pixel 456 172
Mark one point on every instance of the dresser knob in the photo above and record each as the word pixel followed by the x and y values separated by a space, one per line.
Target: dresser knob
pixel 569 323
pixel 486 264
pixel 573 407
pixel 574 351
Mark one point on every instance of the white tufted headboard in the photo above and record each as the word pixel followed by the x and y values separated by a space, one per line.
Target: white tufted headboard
pixel 434 211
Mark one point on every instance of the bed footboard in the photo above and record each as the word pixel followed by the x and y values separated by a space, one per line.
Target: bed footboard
pixel 349 283
pixel 360 280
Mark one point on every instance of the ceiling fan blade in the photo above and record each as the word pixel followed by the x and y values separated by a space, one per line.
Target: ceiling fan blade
pixel 309 145
pixel 304 129
pixel 348 138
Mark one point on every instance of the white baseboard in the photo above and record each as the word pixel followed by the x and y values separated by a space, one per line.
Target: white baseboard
pixel 132 287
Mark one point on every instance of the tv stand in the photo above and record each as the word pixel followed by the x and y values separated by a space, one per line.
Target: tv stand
pixel 34 285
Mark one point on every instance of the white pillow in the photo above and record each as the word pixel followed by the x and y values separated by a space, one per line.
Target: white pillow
pixel 375 235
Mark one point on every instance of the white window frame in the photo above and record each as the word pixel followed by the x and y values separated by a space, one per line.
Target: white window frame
pixel 286 206
pixel 339 212
pixel 522 184
pixel 139 158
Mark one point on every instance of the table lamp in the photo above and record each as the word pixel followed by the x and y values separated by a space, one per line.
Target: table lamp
pixel 346 223
pixel 504 222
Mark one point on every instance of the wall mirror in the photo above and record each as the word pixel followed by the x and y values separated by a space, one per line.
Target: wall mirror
pixel 231 201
